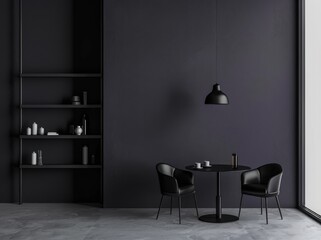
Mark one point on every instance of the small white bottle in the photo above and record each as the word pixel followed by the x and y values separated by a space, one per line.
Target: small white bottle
pixel 34 128
pixel 34 158
pixel 28 131
pixel 41 131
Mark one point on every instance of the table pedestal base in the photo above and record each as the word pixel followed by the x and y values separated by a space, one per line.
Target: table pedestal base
pixel 213 219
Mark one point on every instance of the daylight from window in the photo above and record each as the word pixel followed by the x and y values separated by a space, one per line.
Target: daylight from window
pixel 313 105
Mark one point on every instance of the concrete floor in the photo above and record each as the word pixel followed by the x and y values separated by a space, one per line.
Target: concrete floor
pixel 70 221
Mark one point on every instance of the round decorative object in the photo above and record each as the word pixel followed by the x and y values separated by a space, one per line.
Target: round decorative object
pixel 41 131
pixel 78 130
pixel 75 100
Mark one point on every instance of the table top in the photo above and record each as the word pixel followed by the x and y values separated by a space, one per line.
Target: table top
pixel 218 168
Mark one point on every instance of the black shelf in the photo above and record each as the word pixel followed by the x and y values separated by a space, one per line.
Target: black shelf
pixel 60 137
pixel 86 74
pixel 60 75
pixel 61 166
pixel 59 106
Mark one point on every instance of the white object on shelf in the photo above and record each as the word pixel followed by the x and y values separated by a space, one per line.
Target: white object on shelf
pixel 52 134
pixel 78 130
pixel 41 131
pixel 34 128
pixel 34 158
pixel 28 131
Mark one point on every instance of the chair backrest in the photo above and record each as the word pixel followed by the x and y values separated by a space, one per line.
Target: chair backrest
pixel 165 169
pixel 268 171
pixel 166 178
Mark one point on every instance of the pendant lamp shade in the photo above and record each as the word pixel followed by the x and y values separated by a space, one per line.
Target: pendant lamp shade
pixel 216 96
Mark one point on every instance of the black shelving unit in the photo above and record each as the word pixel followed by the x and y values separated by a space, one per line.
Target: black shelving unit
pixel 57 106
pixel 61 137
pixel 52 166
pixel 51 76
pixel 60 75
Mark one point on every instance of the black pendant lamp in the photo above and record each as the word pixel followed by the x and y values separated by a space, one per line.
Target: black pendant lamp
pixel 216 96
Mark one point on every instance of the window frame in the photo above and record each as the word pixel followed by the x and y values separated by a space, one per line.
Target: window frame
pixel 301 117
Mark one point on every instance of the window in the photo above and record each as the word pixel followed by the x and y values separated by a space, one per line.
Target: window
pixel 310 91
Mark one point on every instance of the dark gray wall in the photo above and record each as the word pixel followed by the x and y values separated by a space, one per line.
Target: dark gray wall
pixel 159 66
pixel 6 101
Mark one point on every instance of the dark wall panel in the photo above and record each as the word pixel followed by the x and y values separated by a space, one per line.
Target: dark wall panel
pixel 159 66
pixel 8 99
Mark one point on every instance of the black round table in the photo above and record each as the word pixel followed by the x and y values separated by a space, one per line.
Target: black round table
pixel 218 168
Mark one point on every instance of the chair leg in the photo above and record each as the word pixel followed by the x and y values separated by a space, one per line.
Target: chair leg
pixel 171 205
pixel 179 208
pixel 240 205
pixel 278 202
pixel 266 210
pixel 195 204
pixel 261 206
pixel 160 204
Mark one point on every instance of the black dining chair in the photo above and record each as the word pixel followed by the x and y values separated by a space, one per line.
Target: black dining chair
pixel 263 182
pixel 175 183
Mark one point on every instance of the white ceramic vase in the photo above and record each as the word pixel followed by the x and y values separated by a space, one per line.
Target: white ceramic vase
pixel 78 130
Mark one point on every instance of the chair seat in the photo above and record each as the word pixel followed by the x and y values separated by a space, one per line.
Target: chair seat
pixel 254 189
pixel 186 189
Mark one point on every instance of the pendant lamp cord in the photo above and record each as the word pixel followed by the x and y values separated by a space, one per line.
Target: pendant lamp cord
pixel 216 40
